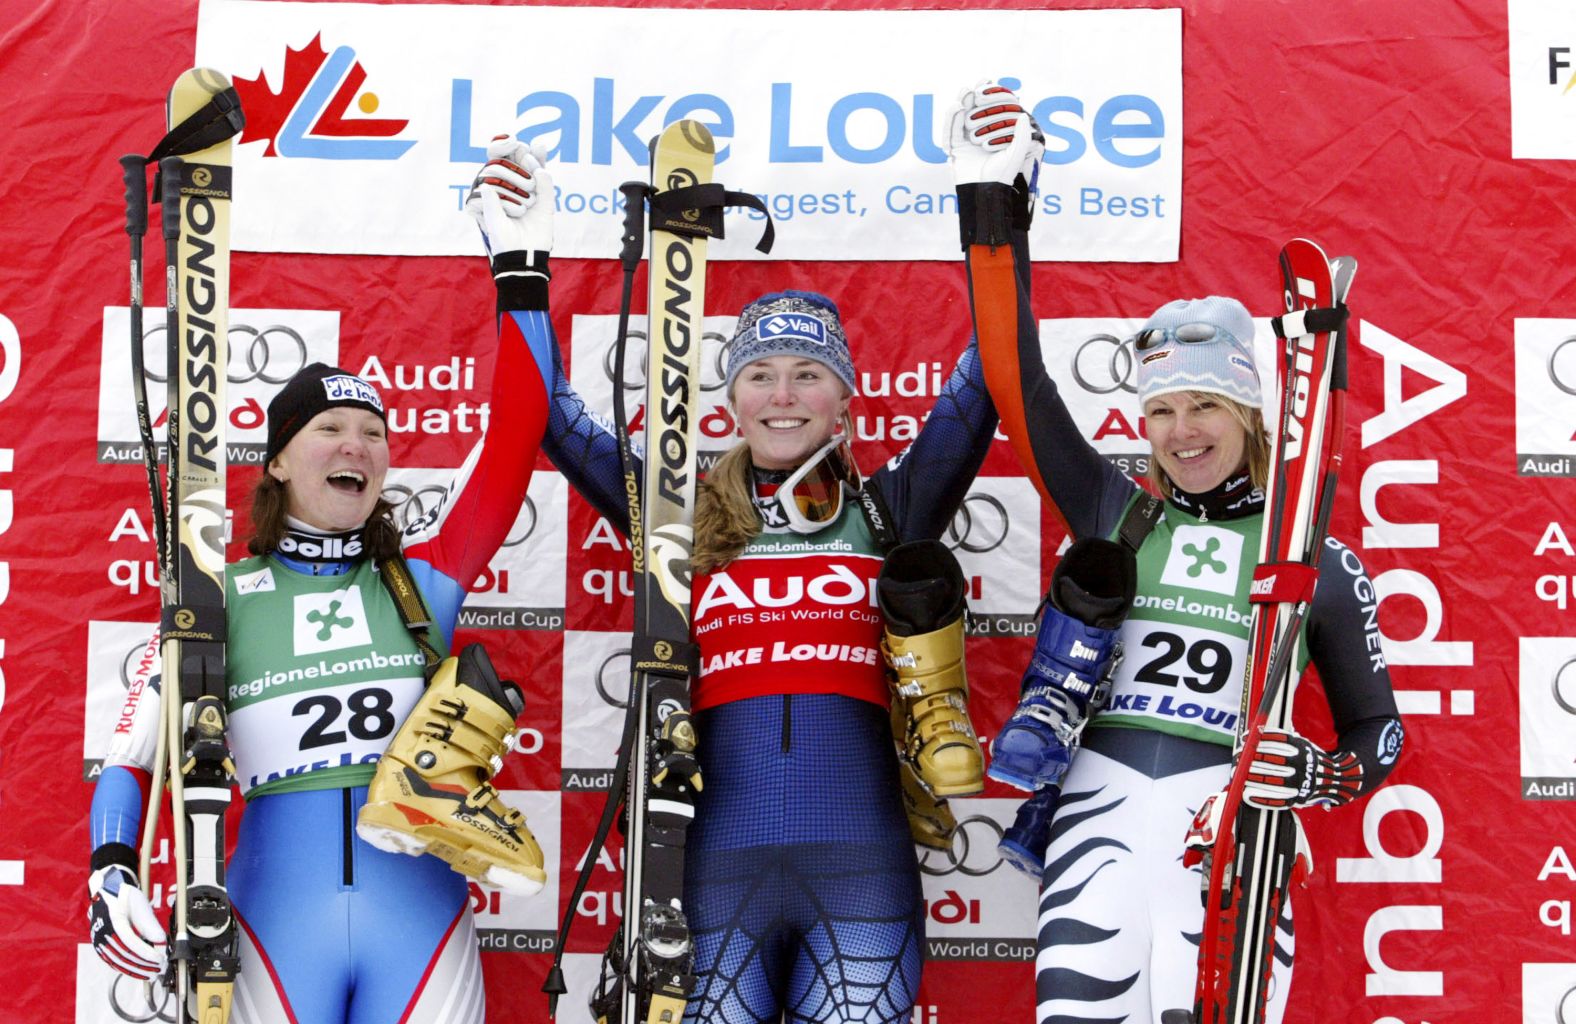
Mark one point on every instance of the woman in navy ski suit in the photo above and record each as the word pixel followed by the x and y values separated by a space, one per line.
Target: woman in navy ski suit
pixel 801 885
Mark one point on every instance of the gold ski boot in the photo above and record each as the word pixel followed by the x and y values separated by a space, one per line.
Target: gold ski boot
pixel 930 820
pixel 921 593
pixel 431 793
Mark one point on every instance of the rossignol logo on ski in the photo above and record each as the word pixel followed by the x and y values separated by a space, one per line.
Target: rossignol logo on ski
pixel 672 448
pixel 201 295
pixel 308 115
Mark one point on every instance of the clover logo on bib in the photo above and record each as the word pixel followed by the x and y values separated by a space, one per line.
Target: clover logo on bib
pixel 1204 558
pixel 330 622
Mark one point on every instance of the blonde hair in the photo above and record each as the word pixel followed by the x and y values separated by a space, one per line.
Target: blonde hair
pixel 725 515
pixel 726 519
pixel 1256 448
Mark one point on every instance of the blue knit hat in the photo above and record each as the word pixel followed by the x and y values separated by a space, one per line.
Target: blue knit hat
pixel 790 323
pixel 1199 345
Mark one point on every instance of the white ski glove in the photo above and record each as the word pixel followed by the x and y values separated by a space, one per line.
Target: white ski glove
pixel 126 933
pixel 992 138
pixel 1289 771
pixel 512 200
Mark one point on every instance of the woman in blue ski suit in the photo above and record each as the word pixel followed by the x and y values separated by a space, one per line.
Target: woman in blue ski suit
pixel 801 886
pixel 332 930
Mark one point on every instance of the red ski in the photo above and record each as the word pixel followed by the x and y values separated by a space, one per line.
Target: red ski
pixel 1250 856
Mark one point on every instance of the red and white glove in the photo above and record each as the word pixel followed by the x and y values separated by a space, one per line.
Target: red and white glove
pixel 126 934
pixel 1289 771
pixel 992 138
pixel 512 201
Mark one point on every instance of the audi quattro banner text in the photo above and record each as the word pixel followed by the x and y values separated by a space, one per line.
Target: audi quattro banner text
pixel 353 110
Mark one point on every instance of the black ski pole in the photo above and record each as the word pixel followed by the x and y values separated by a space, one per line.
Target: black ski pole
pixel 134 170
pixel 634 238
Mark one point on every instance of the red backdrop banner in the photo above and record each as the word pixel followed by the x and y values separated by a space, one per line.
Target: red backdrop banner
pixel 1379 130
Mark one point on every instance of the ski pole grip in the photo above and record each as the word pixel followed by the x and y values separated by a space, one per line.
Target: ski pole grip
pixel 634 223
pixel 134 172
pixel 170 195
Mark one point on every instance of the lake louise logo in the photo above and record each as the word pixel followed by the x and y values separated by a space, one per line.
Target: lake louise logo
pixel 307 116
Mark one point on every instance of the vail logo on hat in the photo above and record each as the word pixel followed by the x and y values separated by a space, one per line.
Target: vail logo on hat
pixel 793 325
pixel 348 388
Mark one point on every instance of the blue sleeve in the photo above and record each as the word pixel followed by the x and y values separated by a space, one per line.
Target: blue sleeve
pixel 584 448
pixel 116 814
pixel 924 484
pixel 443 595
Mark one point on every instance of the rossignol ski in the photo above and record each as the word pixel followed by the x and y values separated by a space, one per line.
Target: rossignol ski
pixel 1250 856
pixel 193 185
pixel 647 971
pixel 655 953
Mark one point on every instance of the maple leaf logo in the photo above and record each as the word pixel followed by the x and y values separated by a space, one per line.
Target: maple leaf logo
pixel 272 114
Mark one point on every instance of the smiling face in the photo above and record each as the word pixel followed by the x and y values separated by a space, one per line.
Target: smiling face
pixel 786 408
pixel 1195 439
pixel 333 468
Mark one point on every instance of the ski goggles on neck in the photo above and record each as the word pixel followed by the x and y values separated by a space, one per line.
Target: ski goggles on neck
pixel 812 496
pixel 1182 334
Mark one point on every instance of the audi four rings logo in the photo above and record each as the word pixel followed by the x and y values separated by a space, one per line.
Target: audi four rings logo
pixel 416 509
pixel 973 851
pixel 1558 380
pixel 1103 364
pixel 273 354
pixel 622 654
pixel 128 664
pixel 1564 688
pixel 708 382
pixel 981 524
pixel 144 994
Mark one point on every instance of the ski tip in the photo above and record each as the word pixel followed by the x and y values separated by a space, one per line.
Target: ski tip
pixel 207 79
pixel 697 135
pixel 1304 244
pixel 1342 270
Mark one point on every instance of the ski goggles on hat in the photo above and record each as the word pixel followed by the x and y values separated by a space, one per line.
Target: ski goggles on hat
pixel 812 496
pixel 1183 334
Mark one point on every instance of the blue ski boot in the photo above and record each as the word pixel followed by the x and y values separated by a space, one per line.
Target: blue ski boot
pixel 1023 844
pixel 1068 674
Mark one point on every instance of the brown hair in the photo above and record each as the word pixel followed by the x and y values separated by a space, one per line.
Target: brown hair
pixel 1256 447
pixel 270 502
